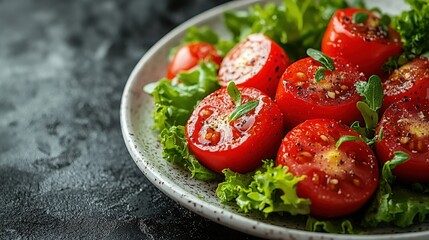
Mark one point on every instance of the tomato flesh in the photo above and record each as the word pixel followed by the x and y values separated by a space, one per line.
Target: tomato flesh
pixel 338 181
pixel 406 128
pixel 255 62
pixel 240 144
pixel 300 97
pixel 409 81
pixel 367 45
pixel 188 57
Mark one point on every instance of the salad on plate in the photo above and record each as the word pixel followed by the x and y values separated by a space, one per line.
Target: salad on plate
pixel 312 108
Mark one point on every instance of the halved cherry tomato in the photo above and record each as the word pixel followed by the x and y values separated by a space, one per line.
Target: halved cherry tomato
pixel 338 181
pixel 255 62
pixel 240 144
pixel 406 128
pixel 409 81
pixel 188 57
pixel 368 44
pixel 300 97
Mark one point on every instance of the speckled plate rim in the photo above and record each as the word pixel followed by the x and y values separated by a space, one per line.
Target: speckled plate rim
pixel 190 201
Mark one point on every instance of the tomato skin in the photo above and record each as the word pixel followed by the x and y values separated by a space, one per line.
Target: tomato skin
pixel 241 144
pixel 255 62
pixel 406 128
pixel 409 81
pixel 364 44
pixel 338 181
pixel 188 57
pixel 300 97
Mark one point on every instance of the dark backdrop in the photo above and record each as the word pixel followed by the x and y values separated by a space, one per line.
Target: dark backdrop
pixel 64 168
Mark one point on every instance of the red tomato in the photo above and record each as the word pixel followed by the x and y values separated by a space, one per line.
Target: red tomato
pixel 188 57
pixel 255 62
pixel 409 81
pixel 406 128
pixel 367 45
pixel 300 97
pixel 338 181
pixel 241 144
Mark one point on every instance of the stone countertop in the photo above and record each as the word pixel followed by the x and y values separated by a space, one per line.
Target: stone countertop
pixel 65 172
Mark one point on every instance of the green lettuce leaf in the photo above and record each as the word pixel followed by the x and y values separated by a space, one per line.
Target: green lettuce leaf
pixel 343 226
pixel 269 189
pixel 175 150
pixel 175 100
pixel 296 25
pixel 396 204
pixel 413 26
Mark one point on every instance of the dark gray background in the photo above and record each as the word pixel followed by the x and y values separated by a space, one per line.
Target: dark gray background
pixel 64 168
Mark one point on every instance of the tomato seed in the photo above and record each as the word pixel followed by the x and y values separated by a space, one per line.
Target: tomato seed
pixel 324 138
pixel 331 94
pixel 357 182
pixel 344 87
pixel 301 76
pixel 306 154
pixel 405 140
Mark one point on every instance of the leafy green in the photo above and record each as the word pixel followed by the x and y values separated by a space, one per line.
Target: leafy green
pixel 234 93
pixel 394 203
pixel 296 25
pixel 372 98
pixel 243 109
pixel 175 150
pixel 175 100
pixel 343 226
pixel 327 63
pixel 413 26
pixel 321 58
pixel 346 138
pixel 269 189
pixel 240 109
pixel 360 17
pixel 207 35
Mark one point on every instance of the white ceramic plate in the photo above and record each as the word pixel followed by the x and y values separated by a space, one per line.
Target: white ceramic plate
pixel 198 196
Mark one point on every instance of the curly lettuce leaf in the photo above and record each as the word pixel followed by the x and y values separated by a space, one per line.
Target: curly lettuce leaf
pixel 343 226
pixel 269 189
pixel 207 35
pixel 413 26
pixel 175 100
pixel 175 150
pixel 296 24
pixel 396 204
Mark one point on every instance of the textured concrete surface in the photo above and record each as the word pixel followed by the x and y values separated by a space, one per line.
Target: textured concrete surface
pixel 64 170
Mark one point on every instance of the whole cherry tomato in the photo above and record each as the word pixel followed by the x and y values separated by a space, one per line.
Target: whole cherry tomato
pixel 338 181
pixel 240 144
pixel 300 97
pixel 188 57
pixel 366 42
pixel 405 127
pixel 255 62
pixel 409 81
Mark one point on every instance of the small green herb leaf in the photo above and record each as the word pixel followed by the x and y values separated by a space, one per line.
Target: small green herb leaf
pixel 243 109
pixel 360 17
pixel 320 74
pixel 399 157
pixel 234 93
pixel 347 138
pixel 321 58
pixel 369 116
pixel 371 92
pixel 426 54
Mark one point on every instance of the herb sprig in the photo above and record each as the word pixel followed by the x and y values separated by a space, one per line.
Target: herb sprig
pixel 327 63
pixel 240 108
